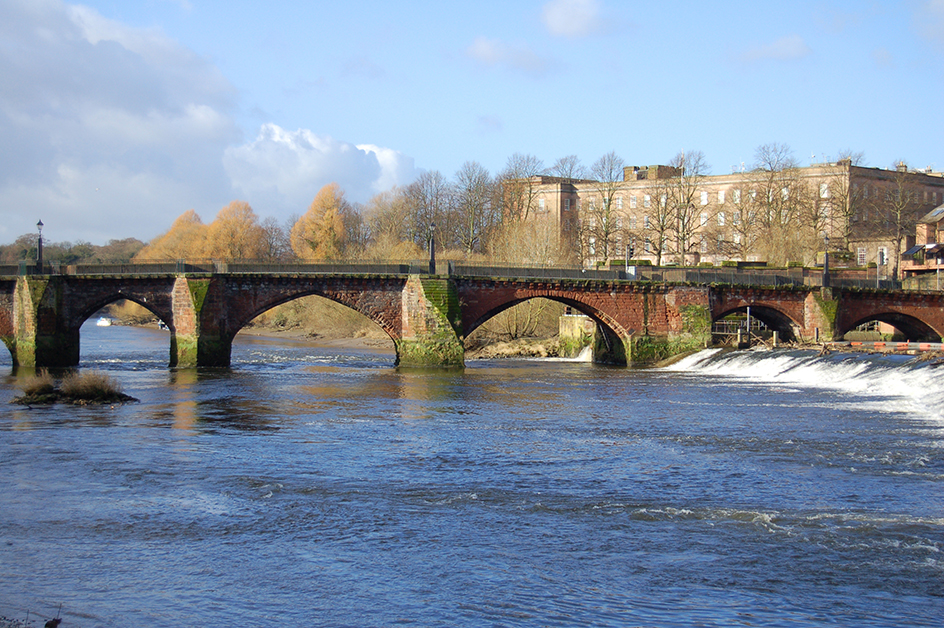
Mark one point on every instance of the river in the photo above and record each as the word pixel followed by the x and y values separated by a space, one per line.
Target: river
pixel 323 487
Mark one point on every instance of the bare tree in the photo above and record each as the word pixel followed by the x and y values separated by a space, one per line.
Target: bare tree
pixel 601 223
pixel 684 199
pixel 897 210
pixel 429 200
pixel 842 200
pixel 659 218
pixel 476 214
pixel 776 202
pixel 389 227
pixel 568 167
pixel 519 186
pixel 276 244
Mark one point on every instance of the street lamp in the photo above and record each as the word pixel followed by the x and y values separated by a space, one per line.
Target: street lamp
pixel 938 270
pixel 432 248
pixel 826 260
pixel 39 247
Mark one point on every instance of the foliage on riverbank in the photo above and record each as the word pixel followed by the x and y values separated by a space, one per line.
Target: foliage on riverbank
pixel 93 387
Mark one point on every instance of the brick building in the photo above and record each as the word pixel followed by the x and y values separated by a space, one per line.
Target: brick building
pixel 665 215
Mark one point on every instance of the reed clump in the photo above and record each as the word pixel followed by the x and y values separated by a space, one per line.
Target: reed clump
pixel 39 384
pixel 91 387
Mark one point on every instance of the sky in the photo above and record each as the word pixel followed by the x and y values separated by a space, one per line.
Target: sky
pixel 117 116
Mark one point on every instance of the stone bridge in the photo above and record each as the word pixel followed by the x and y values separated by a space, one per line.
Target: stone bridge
pixel 428 317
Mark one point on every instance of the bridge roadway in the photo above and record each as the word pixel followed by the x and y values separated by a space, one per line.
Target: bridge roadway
pixel 428 316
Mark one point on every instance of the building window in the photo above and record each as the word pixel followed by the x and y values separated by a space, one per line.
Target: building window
pixel 704 198
pixel 619 202
pixel 720 219
pixel 647 246
pixel 619 222
pixel 632 201
pixel 785 193
pixel 720 243
pixel 646 201
pixel 593 245
pixel 645 221
pixel 721 197
pixel 736 218
pixel 882 256
pixel 703 245
pixel 663 200
pixel 737 197
pixel 540 204
pixel 824 190
pixel 860 256
pixel 704 219
pixel 566 204
pixel 737 238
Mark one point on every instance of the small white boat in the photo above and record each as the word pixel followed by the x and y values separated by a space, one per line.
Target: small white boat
pixel 103 322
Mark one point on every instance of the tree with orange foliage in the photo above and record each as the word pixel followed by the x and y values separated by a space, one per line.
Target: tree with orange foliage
pixel 236 234
pixel 320 233
pixel 186 239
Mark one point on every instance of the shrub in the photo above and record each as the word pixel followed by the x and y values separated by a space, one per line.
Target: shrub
pixel 90 386
pixel 39 384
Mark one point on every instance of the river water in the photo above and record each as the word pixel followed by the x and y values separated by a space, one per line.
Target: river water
pixel 324 487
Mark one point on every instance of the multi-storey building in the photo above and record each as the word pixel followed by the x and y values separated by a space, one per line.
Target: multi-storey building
pixel 668 216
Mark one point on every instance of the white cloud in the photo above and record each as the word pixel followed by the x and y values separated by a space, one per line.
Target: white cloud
pixel 109 131
pixel 930 19
pixel 784 49
pixel 495 53
pixel 572 18
pixel 282 171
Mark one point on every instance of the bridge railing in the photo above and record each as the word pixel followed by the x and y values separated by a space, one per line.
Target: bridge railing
pixel 529 272
pixel 751 277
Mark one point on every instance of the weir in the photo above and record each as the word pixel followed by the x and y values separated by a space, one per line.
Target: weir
pixel 428 317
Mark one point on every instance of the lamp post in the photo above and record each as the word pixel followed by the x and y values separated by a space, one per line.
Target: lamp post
pixel 826 260
pixel 39 248
pixel 432 248
pixel 938 270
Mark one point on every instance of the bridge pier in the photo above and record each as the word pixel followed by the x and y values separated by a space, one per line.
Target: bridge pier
pixel 41 337
pixel 431 318
pixel 610 348
pixel 199 336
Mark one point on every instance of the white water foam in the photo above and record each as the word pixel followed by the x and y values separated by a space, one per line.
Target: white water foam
pixel 917 386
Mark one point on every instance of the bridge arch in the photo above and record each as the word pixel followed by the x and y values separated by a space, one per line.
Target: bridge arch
pixel 912 328
pixel 610 343
pixel 786 327
pixel 246 316
pixel 92 308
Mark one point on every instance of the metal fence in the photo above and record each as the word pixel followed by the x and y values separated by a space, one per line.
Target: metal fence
pixel 811 277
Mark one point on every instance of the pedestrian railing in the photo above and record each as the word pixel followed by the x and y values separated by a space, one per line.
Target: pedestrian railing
pixel 705 276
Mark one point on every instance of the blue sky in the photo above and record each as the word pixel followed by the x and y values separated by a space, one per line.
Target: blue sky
pixel 118 116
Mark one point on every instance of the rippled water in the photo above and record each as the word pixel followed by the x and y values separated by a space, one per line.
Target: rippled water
pixel 317 487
